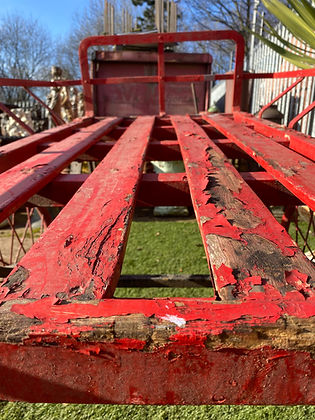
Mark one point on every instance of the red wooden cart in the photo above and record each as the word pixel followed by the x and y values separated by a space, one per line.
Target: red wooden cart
pixel 64 338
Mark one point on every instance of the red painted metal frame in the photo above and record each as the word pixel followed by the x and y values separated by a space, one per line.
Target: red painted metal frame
pixel 26 84
pixel 302 114
pixel 160 40
pixel 37 83
pixel 281 75
pixel 288 89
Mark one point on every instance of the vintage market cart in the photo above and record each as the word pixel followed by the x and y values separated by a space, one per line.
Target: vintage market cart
pixel 65 338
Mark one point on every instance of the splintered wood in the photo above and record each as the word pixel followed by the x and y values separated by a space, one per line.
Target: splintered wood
pixel 64 338
pixel 247 250
pixel 85 249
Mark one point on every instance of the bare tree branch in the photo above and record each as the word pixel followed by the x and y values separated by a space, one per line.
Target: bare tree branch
pixel 26 51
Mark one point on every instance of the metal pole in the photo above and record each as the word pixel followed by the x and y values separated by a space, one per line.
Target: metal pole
pixel 105 16
pixel 112 20
pixel 262 22
pixel 193 91
pixel 250 60
pixel 157 15
pixel 162 15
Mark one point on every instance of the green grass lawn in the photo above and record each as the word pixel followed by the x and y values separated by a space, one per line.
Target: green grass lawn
pixel 158 247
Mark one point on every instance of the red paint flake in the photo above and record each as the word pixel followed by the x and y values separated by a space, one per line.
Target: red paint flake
pixel 130 344
pixel 93 349
pixel 201 316
pixel 299 281
pixel 219 225
pixel 305 309
pixel 245 285
pixel 272 292
pixel 224 276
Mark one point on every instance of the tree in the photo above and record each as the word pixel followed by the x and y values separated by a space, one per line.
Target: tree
pixel 26 51
pixel 223 14
pixel 147 22
pixel 89 22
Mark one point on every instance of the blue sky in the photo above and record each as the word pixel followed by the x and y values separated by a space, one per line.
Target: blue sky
pixel 55 15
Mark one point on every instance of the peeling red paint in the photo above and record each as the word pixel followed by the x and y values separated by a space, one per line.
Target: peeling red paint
pixel 296 173
pixel 214 317
pixel 299 281
pixel 224 276
pixel 227 208
pixel 65 339
pixel 89 254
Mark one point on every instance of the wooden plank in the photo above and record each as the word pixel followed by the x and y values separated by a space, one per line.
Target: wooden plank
pixel 22 181
pixel 81 253
pixel 201 351
pixel 295 172
pixel 248 252
pixel 20 150
pixel 299 142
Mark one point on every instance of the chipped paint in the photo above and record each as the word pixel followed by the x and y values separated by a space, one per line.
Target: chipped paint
pixel 90 253
pixel 247 250
pixel 59 328
pixel 180 322
pixel 282 163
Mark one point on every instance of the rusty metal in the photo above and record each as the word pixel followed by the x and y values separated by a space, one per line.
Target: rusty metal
pixel 64 338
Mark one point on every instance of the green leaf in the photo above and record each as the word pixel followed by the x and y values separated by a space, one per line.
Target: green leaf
pixel 292 21
pixel 302 61
pixel 310 9
pixel 305 10
pixel 285 42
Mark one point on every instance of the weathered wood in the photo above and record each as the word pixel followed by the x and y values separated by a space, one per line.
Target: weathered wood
pixel 295 172
pixel 85 245
pixel 299 142
pixel 248 252
pixel 64 338
pixel 204 352
pixel 25 179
